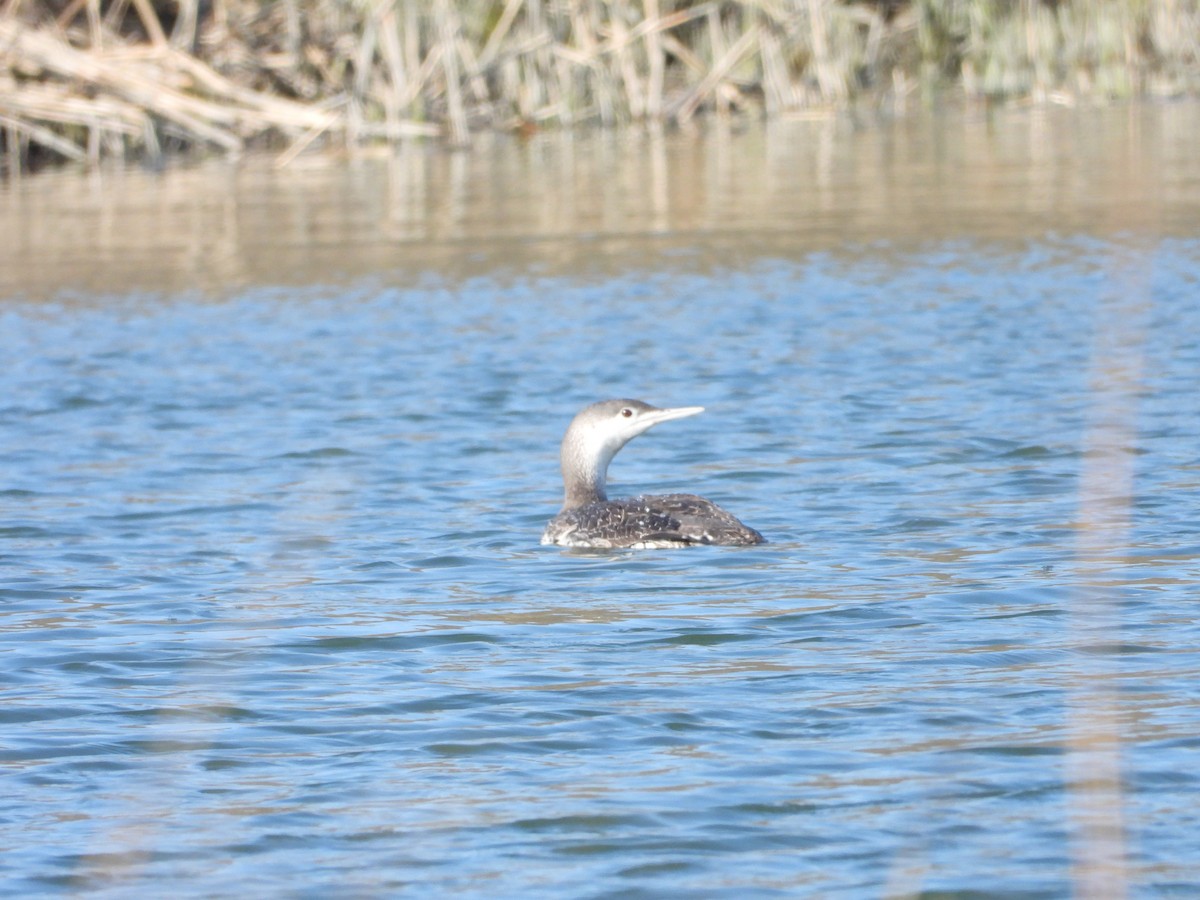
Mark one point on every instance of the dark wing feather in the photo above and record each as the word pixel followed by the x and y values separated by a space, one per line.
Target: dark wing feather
pixel 700 521
pixel 666 519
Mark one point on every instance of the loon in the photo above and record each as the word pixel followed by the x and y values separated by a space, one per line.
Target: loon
pixel 589 519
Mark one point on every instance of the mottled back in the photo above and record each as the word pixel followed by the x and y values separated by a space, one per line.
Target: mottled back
pixel 667 520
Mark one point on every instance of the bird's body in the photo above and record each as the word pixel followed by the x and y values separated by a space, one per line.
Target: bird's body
pixel 589 519
pixel 666 520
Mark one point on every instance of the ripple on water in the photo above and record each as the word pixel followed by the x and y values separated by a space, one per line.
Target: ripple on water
pixel 275 603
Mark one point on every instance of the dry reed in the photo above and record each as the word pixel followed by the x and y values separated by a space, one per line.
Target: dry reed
pixel 85 78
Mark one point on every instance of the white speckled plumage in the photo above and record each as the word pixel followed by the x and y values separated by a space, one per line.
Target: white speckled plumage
pixel 589 519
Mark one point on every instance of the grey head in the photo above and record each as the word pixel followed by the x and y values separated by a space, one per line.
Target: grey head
pixel 594 437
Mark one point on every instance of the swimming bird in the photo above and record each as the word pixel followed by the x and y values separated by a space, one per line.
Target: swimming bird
pixel 589 519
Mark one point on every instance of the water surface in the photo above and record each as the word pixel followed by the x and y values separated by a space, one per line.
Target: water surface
pixel 277 447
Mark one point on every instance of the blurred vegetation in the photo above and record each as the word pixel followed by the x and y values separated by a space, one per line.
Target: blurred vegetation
pixel 86 79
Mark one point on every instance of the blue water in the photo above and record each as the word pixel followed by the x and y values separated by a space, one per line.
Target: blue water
pixel 275 618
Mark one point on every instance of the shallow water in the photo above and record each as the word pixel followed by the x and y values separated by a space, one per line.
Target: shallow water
pixel 276 620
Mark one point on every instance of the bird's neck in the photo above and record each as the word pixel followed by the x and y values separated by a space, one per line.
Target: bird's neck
pixel 583 476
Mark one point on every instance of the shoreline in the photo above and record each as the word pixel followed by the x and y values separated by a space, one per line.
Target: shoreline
pixel 163 81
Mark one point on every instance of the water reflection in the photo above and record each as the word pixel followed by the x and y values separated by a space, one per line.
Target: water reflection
pixel 568 203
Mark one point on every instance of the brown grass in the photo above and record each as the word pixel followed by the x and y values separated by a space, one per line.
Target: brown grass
pixel 86 79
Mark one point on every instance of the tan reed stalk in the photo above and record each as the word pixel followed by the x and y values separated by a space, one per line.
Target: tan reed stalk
pixel 410 98
pixel 718 46
pixel 654 87
pixel 595 73
pixel 303 142
pixel 393 66
pixel 741 47
pixel 393 56
pixel 832 72
pixel 96 23
pixel 776 85
pixel 43 136
pixel 274 110
pixel 106 21
pixel 205 120
pixel 728 92
pixel 364 55
pixel 552 105
pixel 456 116
pixel 541 57
pixel 499 32
pixel 566 109
pixel 475 80
pixel 150 22
pixel 423 76
pixel 635 93
pixel 12 142
pixel 150 139
pixel 65 18
pixel 183 35
pixel 50 103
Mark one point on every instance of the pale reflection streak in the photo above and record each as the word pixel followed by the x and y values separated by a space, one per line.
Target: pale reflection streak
pixel 1094 784
pixel 660 202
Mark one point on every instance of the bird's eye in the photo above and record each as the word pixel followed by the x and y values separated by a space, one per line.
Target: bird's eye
pixel 627 412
